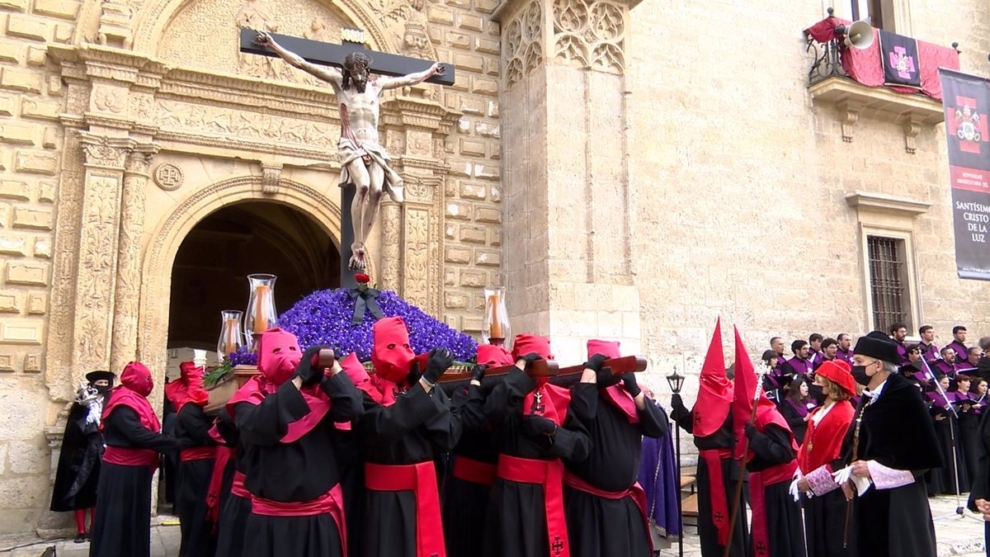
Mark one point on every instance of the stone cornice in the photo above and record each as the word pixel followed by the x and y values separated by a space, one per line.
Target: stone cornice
pixel 879 203
pixel 247 145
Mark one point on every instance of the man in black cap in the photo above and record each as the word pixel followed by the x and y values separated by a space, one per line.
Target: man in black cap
pixel 888 449
pixel 79 459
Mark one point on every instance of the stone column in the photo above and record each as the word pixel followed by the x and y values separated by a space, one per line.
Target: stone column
pixel 98 239
pixel 127 291
pixel 568 205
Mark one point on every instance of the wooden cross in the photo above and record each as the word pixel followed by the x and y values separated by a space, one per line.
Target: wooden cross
pixel 329 54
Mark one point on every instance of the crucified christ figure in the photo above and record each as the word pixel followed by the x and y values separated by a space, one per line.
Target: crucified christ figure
pixel 363 160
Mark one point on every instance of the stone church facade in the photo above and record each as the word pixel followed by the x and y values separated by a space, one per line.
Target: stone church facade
pixel 627 171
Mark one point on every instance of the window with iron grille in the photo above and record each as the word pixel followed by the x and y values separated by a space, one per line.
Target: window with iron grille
pixel 888 282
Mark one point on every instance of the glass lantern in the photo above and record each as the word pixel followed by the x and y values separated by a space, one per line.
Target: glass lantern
pixel 495 326
pixel 260 315
pixel 231 336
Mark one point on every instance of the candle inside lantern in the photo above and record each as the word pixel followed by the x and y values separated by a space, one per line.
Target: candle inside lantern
pixel 495 328
pixel 231 332
pixel 261 308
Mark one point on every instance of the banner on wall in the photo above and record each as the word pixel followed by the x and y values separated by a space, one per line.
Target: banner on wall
pixel 966 101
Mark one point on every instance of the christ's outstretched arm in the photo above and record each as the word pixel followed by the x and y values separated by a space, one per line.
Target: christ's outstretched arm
pixel 329 74
pixel 411 79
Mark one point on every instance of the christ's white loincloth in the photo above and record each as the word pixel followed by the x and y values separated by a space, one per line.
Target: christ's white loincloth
pixel 349 151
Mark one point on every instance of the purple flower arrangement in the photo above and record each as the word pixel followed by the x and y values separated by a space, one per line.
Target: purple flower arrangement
pixel 324 318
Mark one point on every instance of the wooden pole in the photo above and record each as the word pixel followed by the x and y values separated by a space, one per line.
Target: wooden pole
pixel 737 496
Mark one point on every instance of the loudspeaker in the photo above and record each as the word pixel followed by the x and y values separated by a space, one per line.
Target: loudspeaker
pixel 858 35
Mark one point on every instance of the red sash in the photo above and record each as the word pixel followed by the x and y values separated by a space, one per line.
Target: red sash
pixel 237 488
pixel 635 492
pixel 474 471
pixel 257 388
pixel 224 454
pixel 197 453
pixel 758 481
pixel 125 456
pixel 621 399
pixel 421 479
pixel 331 502
pixel 716 483
pixel 549 474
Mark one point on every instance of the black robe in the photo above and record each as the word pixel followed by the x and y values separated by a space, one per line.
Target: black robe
pixel 78 463
pixel 942 481
pixel 296 472
pixel 123 525
pixel 897 432
pixel 193 425
pixel 465 504
pixel 797 422
pixel 347 448
pixel 416 428
pixel 724 438
pixel 516 522
pixel 600 527
pixel 234 510
pixel 969 440
pixel 170 461
pixel 785 531
pixel 981 485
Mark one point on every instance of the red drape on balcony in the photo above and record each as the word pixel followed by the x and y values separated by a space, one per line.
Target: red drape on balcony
pixel 865 66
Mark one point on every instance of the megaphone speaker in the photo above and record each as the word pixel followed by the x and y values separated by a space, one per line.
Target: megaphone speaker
pixel 858 35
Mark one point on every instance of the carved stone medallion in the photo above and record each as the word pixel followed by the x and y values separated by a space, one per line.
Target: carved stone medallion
pixel 168 177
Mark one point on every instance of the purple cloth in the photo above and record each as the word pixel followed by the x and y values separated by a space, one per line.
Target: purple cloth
pixel 930 352
pixel 844 355
pixel 961 351
pixel 658 477
pixel 902 352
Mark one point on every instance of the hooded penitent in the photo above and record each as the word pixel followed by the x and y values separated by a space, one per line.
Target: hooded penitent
pixel 390 351
pixel 188 388
pixel 615 394
pixel 715 390
pixel 135 386
pixel 494 356
pixel 278 356
pixel 536 402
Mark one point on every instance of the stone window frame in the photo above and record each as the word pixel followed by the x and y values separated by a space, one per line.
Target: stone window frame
pixel 895 14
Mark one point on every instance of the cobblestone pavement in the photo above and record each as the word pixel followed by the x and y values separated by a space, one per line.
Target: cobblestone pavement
pixel 957 536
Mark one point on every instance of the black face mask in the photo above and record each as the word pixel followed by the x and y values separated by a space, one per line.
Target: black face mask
pixel 102 389
pixel 859 374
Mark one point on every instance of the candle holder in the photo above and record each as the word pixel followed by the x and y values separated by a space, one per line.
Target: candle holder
pixel 260 315
pixel 495 326
pixel 231 336
pixel 676 383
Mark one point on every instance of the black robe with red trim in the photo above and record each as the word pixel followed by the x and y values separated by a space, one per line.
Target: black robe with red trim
pixel 416 428
pixel 465 504
pixel 193 425
pixel 785 530
pixel 516 522
pixel 725 439
pixel 600 527
pixel 301 471
pixel 234 511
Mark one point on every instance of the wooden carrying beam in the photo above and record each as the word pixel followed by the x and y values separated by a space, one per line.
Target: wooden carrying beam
pixel 329 54
pixel 563 377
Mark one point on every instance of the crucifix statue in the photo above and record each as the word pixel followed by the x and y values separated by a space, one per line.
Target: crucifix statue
pixel 364 162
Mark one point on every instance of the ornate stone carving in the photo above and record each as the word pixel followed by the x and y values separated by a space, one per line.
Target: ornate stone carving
pixel 115 24
pixel 416 256
pixel 589 34
pixel 168 177
pixel 407 23
pixel 245 125
pixel 109 99
pixel 105 152
pixel 271 175
pixel 142 106
pixel 391 239
pixel 256 15
pixel 523 43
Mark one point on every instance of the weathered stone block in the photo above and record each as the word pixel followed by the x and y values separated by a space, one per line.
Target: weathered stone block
pixel 450 230
pixel 471 324
pixel 4 214
pixel 469 62
pixel 23 272
pixel 65 9
pixel 6 365
pixel 24 492
pixel 439 15
pixel 27 27
pixel 43 248
pixel 488 214
pixel 63 32
pixel 488 46
pixel 13 245
pixel 472 234
pixel 484 86
pixel 492 67
pixel 495 236
pixel 55 86
pixel 458 40
pixel 470 21
pixel 46 192
pixel 11 51
pixel 454 300
pixel 487 258
pixel 3 459
pixel 17 5
pixel 37 303
pixel 38 219
pixel 36 162
pixel 449 276
pixel 485 6
pixel 457 254
pixel 45 110
pixel 18 134
pixel 27 457
pixel 9 302
pixel 486 172
pixel 473 278
pixel 8 105
pixel 21 331
pixel 36 55
pixel 20 80
pixel 32 363
pixel 472 147
pixel 461 211
pixel 49 139
pixel 15 189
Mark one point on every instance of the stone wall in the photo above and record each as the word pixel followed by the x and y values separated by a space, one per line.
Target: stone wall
pixel 31 98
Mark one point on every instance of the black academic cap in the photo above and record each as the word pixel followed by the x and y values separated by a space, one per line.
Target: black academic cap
pixel 94 376
pixel 878 345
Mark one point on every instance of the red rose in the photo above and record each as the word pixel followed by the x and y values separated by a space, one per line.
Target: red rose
pixel 362 278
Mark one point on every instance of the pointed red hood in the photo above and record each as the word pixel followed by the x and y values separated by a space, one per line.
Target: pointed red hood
pixel 747 386
pixel 715 391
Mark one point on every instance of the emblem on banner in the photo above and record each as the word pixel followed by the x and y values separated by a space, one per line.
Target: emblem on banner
pixel 968 125
pixel 902 62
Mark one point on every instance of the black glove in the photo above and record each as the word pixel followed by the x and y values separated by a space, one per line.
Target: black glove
pixel 440 361
pixel 537 425
pixel 751 431
pixel 478 373
pixel 530 358
pixel 676 401
pixel 629 379
pixel 595 362
pixel 414 373
pixel 309 373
